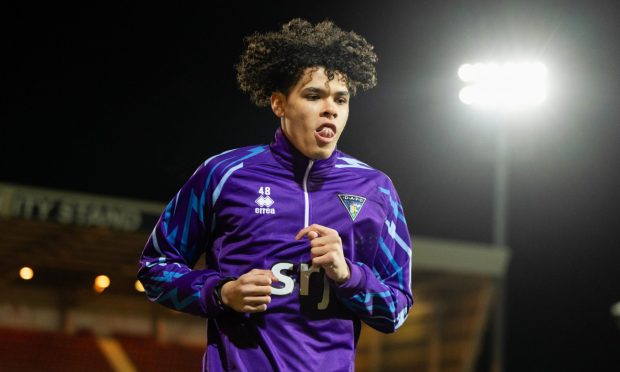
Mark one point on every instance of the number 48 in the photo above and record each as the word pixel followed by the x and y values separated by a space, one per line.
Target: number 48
pixel 265 190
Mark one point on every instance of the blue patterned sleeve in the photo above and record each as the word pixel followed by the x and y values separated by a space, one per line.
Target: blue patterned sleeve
pixel 180 236
pixel 380 293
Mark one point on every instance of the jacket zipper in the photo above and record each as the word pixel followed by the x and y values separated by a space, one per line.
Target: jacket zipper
pixel 306 197
pixel 325 301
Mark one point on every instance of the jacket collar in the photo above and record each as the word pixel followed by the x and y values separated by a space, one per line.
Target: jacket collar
pixel 290 158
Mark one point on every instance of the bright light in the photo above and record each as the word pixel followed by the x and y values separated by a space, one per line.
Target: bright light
pixel 507 86
pixel 101 283
pixel 26 273
pixel 615 309
pixel 139 287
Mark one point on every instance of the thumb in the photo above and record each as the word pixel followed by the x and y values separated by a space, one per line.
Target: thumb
pixel 272 276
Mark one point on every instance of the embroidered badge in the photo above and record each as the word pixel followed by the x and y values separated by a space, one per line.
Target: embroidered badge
pixel 352 203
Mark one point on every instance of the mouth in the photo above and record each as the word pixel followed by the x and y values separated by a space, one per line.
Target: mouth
pixel 326 132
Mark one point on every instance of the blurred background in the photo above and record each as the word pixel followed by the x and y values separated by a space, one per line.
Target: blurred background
pixel 109 108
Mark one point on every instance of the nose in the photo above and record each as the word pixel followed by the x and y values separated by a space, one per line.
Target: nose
pixel 329 111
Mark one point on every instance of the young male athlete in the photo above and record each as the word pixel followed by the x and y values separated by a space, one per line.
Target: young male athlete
pixel 302 241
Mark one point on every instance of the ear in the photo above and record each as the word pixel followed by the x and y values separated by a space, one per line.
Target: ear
pixel 278 103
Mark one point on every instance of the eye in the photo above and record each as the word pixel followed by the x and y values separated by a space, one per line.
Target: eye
pixel 341 100
pixel 312 97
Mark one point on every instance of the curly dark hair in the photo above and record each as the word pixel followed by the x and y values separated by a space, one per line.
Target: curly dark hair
pixel 275 61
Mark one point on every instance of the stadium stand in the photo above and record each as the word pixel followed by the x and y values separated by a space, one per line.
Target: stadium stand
pixel 30 350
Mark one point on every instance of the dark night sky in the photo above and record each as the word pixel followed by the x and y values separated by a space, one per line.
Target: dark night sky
pixel 128 100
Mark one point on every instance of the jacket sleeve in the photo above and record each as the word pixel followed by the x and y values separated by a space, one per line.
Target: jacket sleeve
pixel 380 293
pixel 173 248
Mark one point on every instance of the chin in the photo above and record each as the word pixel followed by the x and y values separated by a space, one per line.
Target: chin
pixel 322 154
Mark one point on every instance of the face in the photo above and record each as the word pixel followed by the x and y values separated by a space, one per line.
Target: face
pixel 314 113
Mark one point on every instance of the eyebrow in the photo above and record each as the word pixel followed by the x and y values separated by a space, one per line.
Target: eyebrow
pixel 323 91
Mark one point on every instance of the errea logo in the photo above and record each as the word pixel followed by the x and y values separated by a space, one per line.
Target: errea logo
pixel 264 201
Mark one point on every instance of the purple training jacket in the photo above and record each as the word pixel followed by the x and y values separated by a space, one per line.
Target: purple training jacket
pixel 243 208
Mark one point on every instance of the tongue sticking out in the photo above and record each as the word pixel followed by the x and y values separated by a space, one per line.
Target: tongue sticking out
pixel 326 132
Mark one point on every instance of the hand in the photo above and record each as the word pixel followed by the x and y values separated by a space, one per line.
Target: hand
pixel 326 251
pixel 250 293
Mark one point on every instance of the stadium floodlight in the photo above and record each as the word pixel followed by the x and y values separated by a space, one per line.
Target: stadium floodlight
pixel 507 86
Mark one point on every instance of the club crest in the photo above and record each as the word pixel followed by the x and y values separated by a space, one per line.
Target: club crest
pixel 352 203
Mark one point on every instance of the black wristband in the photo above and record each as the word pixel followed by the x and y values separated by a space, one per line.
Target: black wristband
pixel 217 292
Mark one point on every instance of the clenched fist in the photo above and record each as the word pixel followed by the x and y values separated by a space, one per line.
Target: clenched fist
pixel 250 293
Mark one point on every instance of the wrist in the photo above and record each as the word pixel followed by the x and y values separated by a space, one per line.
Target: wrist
pixel 220 298
pixel 355 283
pixel 346 276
